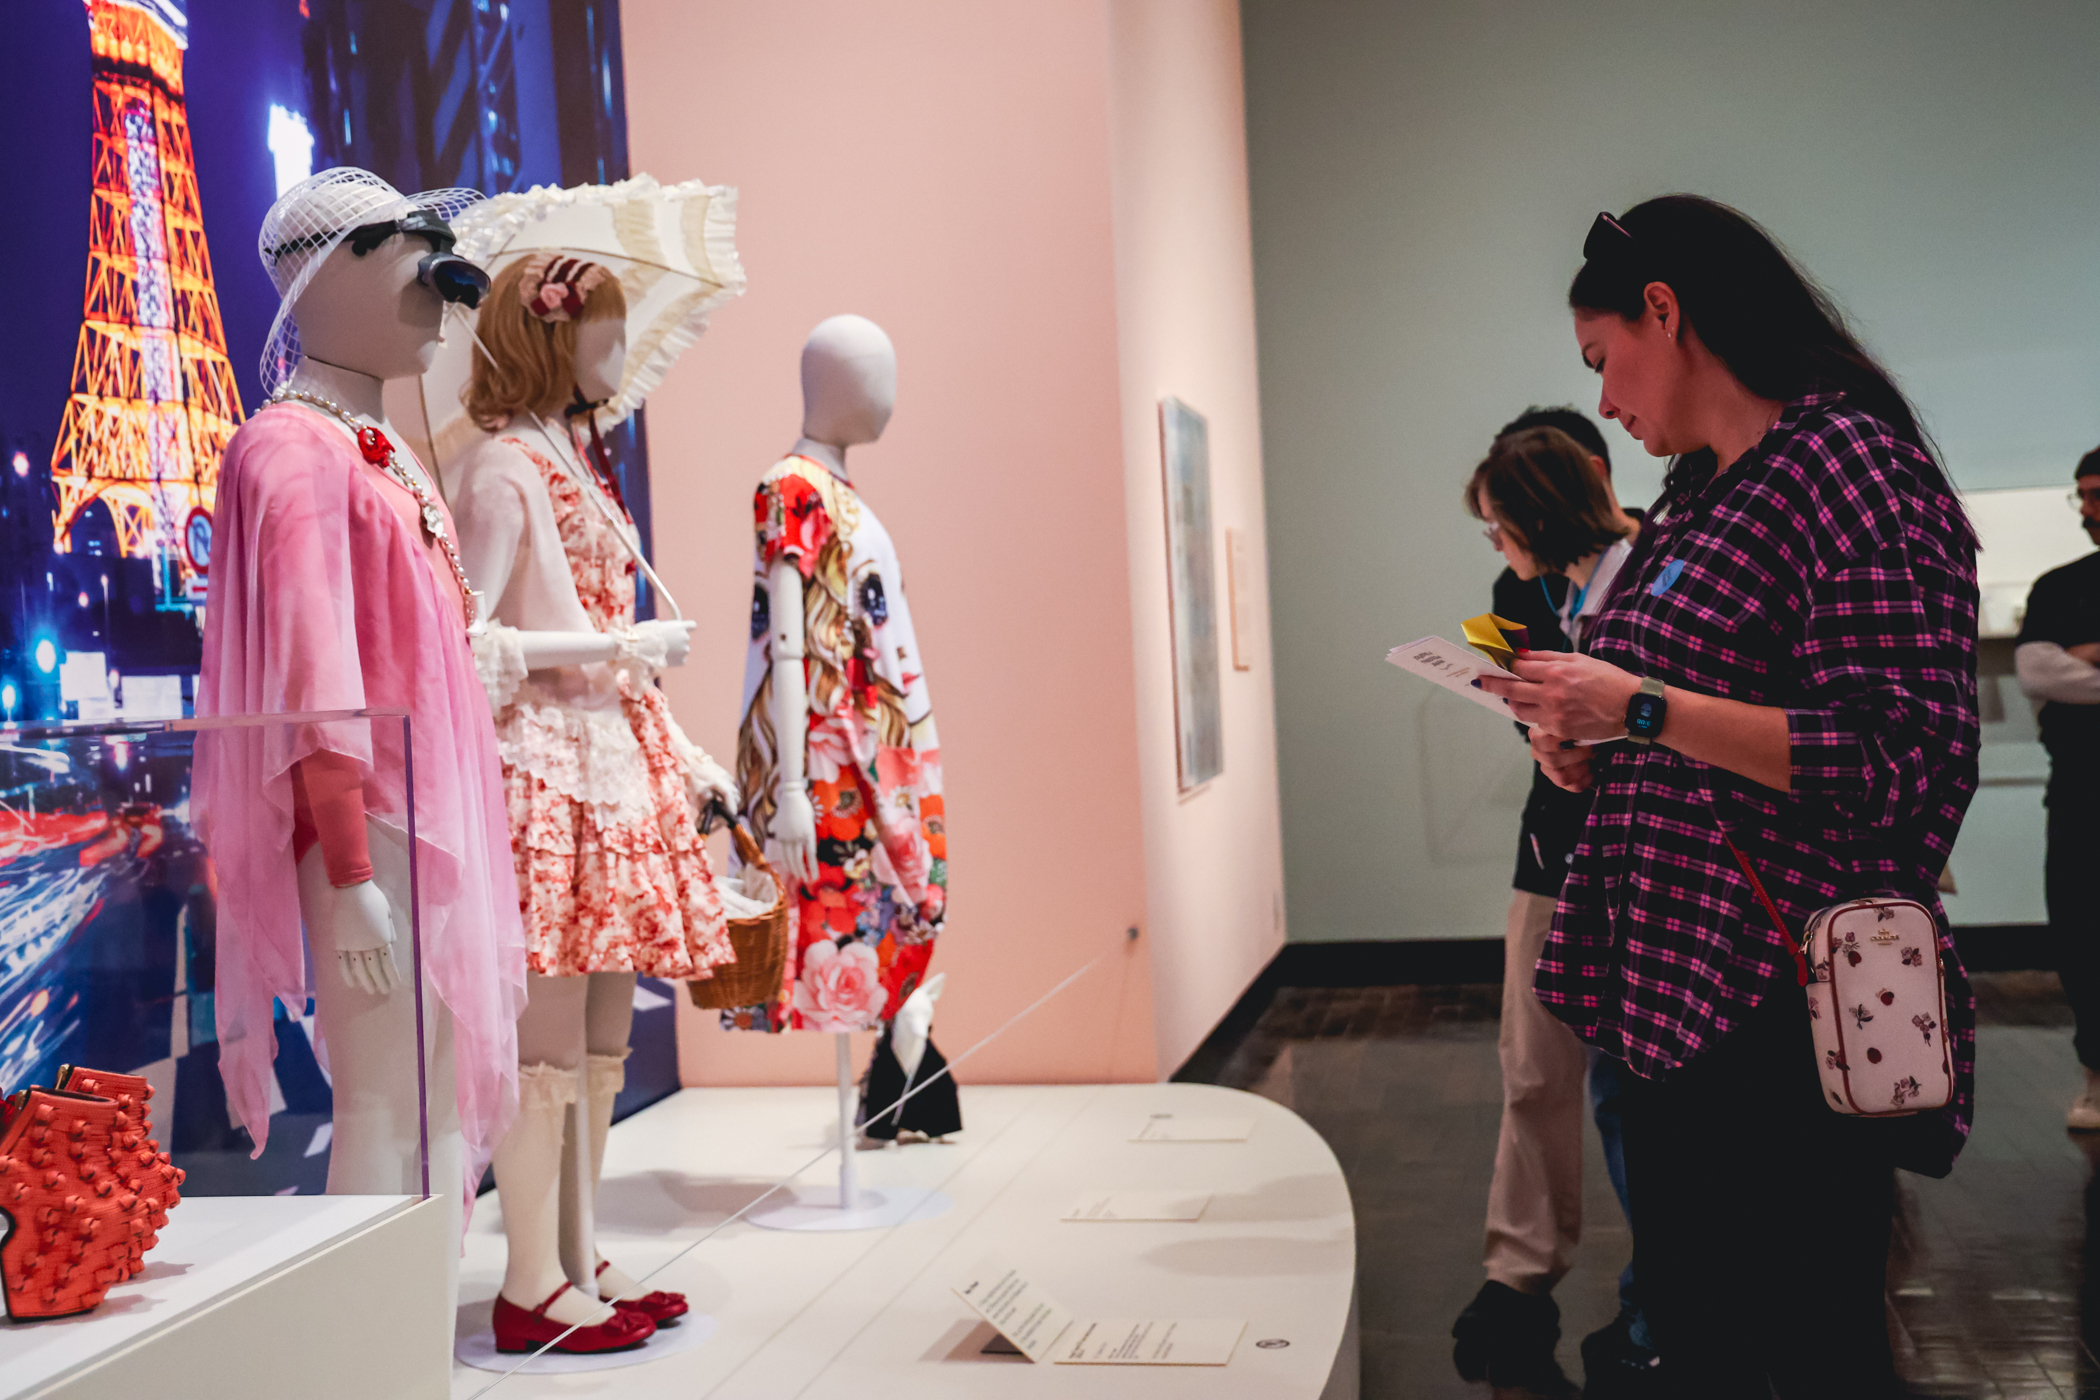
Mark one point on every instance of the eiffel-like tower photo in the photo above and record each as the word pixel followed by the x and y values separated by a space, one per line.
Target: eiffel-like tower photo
pixel 153 398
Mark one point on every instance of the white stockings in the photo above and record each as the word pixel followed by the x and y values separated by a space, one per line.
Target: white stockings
pixel 572 1044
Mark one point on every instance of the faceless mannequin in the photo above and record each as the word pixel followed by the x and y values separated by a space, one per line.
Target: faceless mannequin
pixel 573 1035
pixel 365 319
pixel 849 390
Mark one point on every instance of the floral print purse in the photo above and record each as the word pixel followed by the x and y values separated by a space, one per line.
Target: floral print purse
pixel 1877 1002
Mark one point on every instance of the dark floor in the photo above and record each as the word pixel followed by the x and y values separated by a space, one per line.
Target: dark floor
pixel 1986 1278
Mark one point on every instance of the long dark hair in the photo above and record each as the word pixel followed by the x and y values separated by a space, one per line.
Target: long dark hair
pixel 1764 318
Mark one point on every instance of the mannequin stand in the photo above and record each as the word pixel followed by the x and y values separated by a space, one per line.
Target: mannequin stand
pixel 851 1206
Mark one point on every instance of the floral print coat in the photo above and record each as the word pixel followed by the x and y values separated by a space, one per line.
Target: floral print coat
pixel 863 933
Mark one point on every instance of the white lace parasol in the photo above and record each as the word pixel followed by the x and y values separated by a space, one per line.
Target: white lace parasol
pixel 673 248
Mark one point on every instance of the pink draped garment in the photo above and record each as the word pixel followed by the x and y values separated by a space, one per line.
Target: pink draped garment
pixel 325 597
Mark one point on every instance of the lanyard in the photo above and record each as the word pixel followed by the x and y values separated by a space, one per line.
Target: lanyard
pixel 1575 601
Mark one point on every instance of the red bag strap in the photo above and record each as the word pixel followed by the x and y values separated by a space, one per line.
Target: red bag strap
pixel 1800 959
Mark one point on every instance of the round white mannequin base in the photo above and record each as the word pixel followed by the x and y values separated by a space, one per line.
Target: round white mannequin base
pixel 478 1349
pixel 817 1208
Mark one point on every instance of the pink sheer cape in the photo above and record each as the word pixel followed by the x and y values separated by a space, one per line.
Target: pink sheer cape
pixel 322 598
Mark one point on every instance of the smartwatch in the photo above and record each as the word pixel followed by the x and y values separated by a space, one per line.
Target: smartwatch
pixel 1645 712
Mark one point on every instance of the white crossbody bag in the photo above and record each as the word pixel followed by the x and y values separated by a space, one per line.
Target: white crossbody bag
pixel 1877 1002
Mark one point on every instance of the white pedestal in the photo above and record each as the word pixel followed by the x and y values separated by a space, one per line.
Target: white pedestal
pixel 250 1296
pixel 817 1208
pixel 868 1314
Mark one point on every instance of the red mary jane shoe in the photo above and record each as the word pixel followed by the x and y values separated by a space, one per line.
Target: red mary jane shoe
pixel 519 1330
pixel 659 1307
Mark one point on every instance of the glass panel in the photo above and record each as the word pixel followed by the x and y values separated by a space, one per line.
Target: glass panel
pixel 109 957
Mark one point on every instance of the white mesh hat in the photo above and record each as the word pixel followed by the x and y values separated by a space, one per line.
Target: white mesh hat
pixel 304 226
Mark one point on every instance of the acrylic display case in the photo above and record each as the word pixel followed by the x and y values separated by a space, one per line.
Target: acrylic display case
pixel 111 949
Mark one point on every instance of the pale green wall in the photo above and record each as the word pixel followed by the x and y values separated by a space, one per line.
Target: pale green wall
pixel 1423 175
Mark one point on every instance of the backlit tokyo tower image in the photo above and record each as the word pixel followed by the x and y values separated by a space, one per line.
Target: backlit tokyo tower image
pixel 154 399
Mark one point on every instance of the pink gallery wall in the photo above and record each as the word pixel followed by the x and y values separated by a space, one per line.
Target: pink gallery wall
pixel 959 171
pixel 1185 320
pixel 940 168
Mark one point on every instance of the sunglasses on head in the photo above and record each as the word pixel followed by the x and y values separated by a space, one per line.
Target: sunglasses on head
pixel 1607 238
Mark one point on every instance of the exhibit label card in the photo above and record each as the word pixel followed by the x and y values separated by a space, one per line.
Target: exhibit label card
pixel 1044 1330
pixel 1023 1314
pixel 1197 1341
pixel 1138 1205
pixel 1166 1127
pixel 1453 667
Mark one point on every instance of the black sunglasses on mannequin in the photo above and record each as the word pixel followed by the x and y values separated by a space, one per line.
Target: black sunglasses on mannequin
pixel 452 277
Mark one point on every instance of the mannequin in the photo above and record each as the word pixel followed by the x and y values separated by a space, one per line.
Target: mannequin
pixel 337 588
pixel 837 756
pixel 603 786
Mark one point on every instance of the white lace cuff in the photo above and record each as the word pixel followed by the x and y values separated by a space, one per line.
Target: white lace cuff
pixel 642 651
pixel 499 659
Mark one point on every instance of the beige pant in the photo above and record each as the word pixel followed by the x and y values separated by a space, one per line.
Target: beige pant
pixel 1534 1215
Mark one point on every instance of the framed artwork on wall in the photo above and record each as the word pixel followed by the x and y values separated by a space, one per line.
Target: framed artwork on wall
pixel 1239 581
pixel 1192 594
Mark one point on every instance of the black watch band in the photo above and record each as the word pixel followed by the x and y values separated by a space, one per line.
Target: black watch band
pixel 1646 711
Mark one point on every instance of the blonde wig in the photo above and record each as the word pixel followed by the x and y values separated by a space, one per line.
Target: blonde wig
pixel 534 347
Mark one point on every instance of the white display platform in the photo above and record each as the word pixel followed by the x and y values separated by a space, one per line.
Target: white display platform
pixel 864 1315
pixel 817 1208
pixel 253 1296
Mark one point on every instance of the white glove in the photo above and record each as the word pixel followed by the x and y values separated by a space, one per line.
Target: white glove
pixel 650 647
pixel 708 780
pixel 795 829
pixel 364 938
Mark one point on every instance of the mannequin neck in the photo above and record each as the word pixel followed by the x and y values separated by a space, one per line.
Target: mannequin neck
pixel 833 457
pixel 361 394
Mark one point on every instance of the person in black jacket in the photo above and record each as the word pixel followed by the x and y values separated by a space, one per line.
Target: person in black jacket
pixel 2058 661
pixel 1508 1333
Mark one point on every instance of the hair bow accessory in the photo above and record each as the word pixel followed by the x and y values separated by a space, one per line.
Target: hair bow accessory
pixel 554 288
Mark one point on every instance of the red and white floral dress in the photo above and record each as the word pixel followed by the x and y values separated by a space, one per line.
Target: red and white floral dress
pixel 612 873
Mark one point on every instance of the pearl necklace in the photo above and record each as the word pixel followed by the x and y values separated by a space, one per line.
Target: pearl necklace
pixel 380 452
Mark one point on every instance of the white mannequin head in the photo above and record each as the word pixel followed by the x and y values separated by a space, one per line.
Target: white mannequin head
pixel 363 272
pixel 601 357
pixel 369 313
pixel 553 325
pixel 849 382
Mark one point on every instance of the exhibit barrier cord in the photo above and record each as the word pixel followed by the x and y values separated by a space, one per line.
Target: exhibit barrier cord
pixel 642 1284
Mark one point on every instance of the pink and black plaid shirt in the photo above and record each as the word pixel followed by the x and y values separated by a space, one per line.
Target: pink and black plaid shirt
pixel 1824 574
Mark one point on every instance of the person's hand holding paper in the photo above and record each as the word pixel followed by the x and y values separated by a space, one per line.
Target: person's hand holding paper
pixel 1567 698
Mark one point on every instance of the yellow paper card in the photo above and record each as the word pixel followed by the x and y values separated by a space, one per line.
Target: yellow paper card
pixel 1485 634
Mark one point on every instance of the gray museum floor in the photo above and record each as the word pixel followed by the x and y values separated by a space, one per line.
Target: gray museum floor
pixel 1987 1276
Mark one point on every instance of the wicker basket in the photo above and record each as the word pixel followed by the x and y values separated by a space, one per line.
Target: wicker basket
pixel 761 944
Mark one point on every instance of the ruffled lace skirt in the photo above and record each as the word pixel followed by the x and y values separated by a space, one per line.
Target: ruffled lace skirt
pixel 612 873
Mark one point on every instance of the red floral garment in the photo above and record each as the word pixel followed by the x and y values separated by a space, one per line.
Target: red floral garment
pixel 612 874
pixel 864 931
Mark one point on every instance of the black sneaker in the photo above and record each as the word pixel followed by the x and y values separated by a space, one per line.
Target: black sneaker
pixel 1615 1367
pixel 1506 1338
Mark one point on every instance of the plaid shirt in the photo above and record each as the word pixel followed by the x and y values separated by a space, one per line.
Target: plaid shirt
pixel 1822 574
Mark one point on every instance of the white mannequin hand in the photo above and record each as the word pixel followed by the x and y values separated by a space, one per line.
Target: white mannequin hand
pixel 795 829
pixel 710 779
pixel 673 639
pixel 364 938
